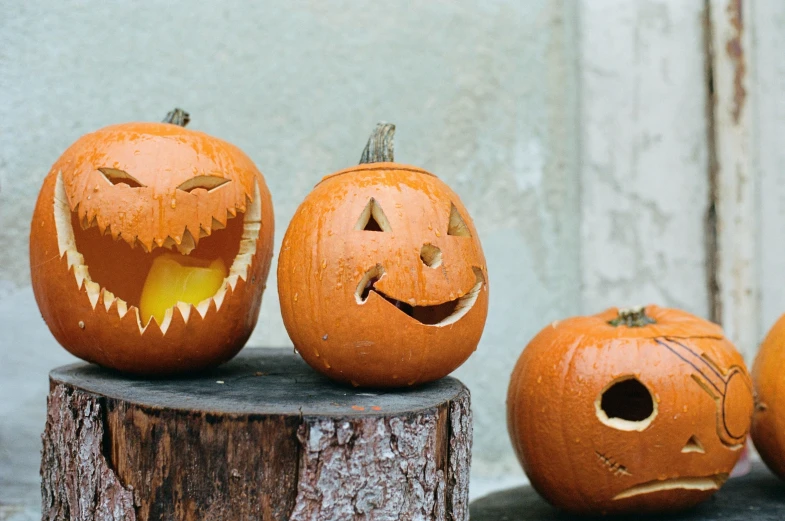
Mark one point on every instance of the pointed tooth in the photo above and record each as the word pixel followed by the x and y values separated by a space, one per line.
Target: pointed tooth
pixel 142 245
pixel 219 298
pixel 231 280
pixel 159 242
pixel 74 258
pixel 231 212
pixel 108 298
pixel 169 243
pixel 217 225
pixel 204 232
pixel 93 292
pixel 204 306
pixel 122 307
pixel 82 275
pixel 187 243
pixel 185 310
pixel 168 314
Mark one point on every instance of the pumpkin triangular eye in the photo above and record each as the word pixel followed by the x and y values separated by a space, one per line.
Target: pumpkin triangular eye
pixel 457 224
pixel 117 176
pixel 207 182
pixel 373 219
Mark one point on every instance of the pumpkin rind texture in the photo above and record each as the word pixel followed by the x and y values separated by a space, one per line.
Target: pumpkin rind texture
pixel 115 200
pixel 613 419
pixel 381 277
pixel 768 424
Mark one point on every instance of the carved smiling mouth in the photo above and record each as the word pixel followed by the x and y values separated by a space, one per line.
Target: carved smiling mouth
pixel 113 268
pixel 698 483
pixel 442 314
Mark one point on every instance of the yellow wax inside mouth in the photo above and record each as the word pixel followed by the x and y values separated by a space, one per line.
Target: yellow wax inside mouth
pixel 177 278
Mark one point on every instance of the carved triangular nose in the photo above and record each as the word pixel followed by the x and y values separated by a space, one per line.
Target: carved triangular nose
pixel 693 445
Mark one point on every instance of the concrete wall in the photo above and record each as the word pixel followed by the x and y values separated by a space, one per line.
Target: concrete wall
pixel 577 134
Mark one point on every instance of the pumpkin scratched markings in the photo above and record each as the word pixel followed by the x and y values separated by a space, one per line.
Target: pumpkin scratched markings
pixel 640 367
pixel 614 468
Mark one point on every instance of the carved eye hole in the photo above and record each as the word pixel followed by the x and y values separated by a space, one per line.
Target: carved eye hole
pixel 626 404
pixel 457 225
pixel 116 177
pixel 373 219
pixel 206 182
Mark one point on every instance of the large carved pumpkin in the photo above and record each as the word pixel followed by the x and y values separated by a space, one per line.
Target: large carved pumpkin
pixel 768 374
pixel 127 210
pixel 629 411
pixel 381 277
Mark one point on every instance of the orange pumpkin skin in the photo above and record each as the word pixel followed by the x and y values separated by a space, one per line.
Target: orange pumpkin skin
pixel 101 324
pixel 567 424
pixel 768 423
pixel 324 260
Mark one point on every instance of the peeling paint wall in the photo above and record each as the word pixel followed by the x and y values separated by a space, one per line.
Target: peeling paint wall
pixel 644 154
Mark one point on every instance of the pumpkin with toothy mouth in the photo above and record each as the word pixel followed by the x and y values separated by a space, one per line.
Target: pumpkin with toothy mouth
pixel 150 246
pixel 381 278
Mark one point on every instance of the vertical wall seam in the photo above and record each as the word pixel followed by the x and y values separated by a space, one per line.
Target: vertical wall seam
pixel 712 247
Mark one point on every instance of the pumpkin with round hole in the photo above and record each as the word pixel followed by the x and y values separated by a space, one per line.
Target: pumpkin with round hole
pixel 381 278
pixel 639 410
pixel 150 246
pixel 768 423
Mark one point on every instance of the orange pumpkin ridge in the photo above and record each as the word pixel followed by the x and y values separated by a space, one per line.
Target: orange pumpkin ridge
pixel 121 197
pixel 381 277
pixel 768 425
pixel 639 410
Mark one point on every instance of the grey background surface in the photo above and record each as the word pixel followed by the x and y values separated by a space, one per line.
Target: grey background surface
pixel 575 133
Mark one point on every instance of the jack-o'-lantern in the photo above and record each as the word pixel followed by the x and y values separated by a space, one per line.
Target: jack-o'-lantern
pixel 150 247
pixel 637 410
pixel 768 424
pixel 382 280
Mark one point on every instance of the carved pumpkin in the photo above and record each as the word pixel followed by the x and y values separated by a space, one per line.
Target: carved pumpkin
pixel 768 425
pixel 132 207
pixel 381 277
pixel 629 411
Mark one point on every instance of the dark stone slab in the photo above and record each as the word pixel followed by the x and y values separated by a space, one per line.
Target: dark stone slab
pixel 257 381
pixel 758 496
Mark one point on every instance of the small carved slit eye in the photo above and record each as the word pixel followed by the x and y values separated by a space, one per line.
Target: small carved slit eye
pixel 457 225
pixel 117 177
pixel 373 219
pixel 206 182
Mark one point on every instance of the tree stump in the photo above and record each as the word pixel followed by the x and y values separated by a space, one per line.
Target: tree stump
pixel 755 497
pixel 261 437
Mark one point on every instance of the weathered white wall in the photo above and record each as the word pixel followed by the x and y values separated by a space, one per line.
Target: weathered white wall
pixel 484 94
pixel 644 154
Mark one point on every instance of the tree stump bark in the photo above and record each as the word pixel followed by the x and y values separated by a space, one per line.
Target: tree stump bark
pixel 262 437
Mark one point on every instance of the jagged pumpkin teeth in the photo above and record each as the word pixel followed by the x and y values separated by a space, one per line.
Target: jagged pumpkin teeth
pixel 91 217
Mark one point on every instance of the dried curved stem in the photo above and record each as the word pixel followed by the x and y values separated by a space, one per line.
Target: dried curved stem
pixel 177 117
pixel 632 317
pixel 379 148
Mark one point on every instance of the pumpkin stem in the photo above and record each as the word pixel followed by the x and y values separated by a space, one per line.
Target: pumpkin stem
pixel 177 117
pixel 632 317
pixel 379 148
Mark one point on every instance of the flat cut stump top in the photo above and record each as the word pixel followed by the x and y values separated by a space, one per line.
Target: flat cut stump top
pixel 257 381
pixel 758 496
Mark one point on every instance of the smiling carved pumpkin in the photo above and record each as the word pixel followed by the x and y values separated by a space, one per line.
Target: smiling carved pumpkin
pixel 381 278
pixel 148 214
pixel 629 411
